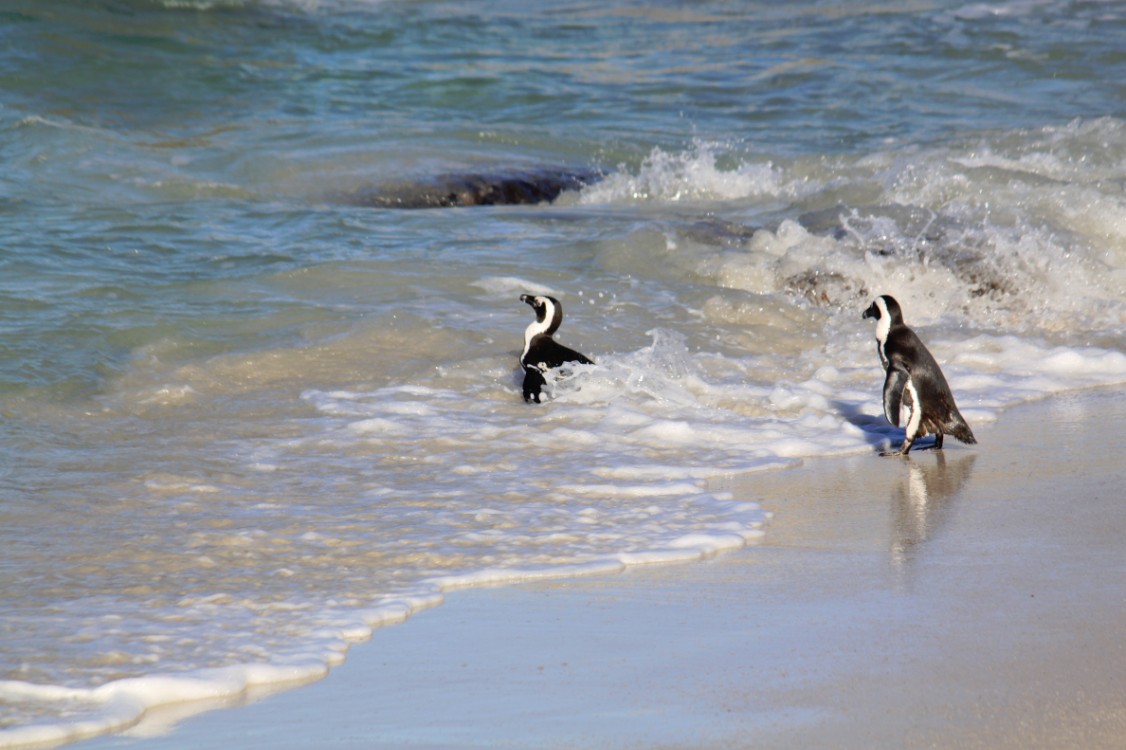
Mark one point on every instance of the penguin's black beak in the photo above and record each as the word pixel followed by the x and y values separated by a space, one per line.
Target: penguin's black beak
pixel 871 312
pixel 526 299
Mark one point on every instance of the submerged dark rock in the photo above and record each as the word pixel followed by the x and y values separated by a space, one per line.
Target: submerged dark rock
pixel 496 188
pixel 911 236
pixel 713 231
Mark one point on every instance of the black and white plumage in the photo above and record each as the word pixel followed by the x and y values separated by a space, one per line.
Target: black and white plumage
pixel 542 352
pixel 914 380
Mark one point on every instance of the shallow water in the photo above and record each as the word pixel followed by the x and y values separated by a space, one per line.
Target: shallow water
pixel 245 420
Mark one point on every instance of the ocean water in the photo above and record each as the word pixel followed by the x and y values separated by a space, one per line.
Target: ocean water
pixel 246 418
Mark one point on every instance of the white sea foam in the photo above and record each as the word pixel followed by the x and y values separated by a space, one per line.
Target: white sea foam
pixel 695 175
pixel 1010 233
pixel 124 703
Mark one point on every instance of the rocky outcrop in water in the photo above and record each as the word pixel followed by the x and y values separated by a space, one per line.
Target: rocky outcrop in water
pixel 495 188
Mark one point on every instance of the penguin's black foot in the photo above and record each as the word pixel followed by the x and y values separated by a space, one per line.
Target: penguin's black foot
pixel 903 449
pixel 935 446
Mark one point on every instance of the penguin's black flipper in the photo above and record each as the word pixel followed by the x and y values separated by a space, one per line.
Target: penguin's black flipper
pixel 549 353
pixel 582 359
pixel 894 384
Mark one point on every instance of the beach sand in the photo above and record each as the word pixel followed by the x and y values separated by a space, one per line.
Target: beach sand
pixel 970 598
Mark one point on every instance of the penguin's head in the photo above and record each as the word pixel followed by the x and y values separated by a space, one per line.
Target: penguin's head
pixel 549 313
pixel 884 309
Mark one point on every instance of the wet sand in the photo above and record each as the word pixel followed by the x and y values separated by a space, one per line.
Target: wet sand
pixel 970 598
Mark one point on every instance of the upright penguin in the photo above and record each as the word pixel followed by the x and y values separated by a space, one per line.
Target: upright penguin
pixel 541 352
pixel 913 380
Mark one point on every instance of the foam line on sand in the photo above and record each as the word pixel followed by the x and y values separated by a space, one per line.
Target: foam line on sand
pixel 970 598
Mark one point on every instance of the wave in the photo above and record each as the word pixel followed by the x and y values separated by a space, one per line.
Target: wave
pixel 1016 232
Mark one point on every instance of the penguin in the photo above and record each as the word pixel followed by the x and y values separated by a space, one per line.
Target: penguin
pixel 541 352
pixel 913 380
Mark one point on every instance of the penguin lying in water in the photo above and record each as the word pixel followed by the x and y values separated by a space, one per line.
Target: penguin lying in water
pixel 913 380
pixel 541 352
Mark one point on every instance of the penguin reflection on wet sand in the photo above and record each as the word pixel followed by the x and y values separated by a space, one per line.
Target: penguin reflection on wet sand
pixel 913 380
pixel 923 501
pixel 542 352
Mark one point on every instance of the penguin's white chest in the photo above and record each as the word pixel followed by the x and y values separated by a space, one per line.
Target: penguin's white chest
pixel 883 328
pixel 530 333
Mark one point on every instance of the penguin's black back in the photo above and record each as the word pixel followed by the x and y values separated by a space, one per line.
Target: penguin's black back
pixel 940 414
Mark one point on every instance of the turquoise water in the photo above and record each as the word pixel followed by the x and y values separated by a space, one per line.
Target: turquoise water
pixel 150 148
pixel 244 418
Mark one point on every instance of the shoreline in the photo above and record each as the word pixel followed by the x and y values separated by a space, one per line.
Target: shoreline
pixel 951 599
